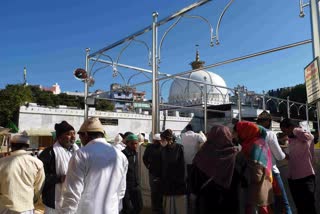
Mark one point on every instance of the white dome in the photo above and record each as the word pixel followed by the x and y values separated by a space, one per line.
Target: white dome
pixel 187 92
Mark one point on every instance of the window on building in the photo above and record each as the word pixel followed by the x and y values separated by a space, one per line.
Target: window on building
pixel 109 122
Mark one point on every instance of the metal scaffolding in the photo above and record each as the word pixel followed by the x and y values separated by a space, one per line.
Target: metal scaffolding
pixel 155 59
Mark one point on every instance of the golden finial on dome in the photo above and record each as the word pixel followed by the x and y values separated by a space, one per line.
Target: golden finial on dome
pixel 197 63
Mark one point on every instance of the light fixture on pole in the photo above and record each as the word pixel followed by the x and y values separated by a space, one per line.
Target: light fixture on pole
pixel 82 75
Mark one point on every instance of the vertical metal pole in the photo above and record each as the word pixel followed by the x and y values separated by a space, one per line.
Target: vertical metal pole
pixel 239 103
pixel 205 108
pixel 86 85
pixel 317 117
pixel 314 15
pixel 264 101
pixel 288 107
pixel 315 27
pixel 155 83
pixel 307 112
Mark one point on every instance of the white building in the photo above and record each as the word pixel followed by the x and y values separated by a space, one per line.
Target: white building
pixel 185 92
pixel 39 121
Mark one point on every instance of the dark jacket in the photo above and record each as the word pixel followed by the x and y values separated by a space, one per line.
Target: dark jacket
pixel 132 201
pixel 152 159
pixel 173 170
pixel 133 173
pixel 47 156
pixel 212 198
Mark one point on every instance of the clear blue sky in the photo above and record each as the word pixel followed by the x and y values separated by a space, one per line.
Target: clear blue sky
pixel 50 37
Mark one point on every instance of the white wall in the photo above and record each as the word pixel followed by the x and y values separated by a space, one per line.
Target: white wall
pixel 42 120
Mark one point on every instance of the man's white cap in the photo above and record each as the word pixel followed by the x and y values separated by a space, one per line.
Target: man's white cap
pixel 140 137
pixel 118 139
pixel 156 137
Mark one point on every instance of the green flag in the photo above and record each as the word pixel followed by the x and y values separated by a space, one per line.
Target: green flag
pixel 13 128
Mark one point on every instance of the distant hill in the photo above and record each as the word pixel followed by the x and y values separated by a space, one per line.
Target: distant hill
pixel 296 93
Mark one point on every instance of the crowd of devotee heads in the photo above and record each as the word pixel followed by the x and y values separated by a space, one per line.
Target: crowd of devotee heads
pixel 223 171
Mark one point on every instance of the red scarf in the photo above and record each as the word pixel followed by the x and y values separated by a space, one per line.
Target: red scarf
pixel 254 145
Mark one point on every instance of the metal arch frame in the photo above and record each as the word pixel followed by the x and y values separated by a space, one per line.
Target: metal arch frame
pixel 237 92
pixel 225 98
pixel 259 101
pixel 176 22
pixel 126 46
pixel 133 75
pixel 100 68
pixel 115 74
pixel 219 22
pixel 154 27
pixel 278 101
pixel 301 6
pixel 300 107
pixel 212 37
pixel 160 94
pixel 294 105
pixel 176 82
pixel 102 54
pixel 317 114
pixel 149 28
pixel 241 58
pixel 179 75
pixel 275 102
pixel 114 65
pixel 211 44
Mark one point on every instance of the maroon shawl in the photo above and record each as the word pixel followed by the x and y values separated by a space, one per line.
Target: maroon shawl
pixel 217 156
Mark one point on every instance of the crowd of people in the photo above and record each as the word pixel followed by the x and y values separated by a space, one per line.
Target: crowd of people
pixel 222 171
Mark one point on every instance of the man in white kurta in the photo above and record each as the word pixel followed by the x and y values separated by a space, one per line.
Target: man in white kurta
pixel 96 177
pixel 191 142
pixel 118 144
pixel 21 178
pixel 281 203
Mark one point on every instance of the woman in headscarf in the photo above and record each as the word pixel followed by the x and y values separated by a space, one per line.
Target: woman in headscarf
pixel 212 177
pixel 172 176
pixel 258 155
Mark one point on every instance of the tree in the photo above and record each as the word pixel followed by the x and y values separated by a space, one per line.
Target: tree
pixel 104 105
pixel 12 97
pixel 69 100
pixel 296 93
pixel 45 98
